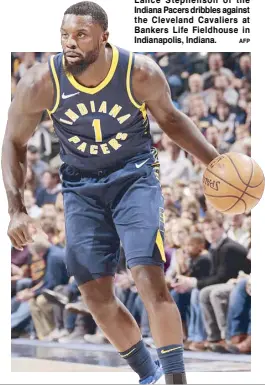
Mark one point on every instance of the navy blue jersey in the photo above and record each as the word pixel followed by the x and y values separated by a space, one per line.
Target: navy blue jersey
pixel 101 127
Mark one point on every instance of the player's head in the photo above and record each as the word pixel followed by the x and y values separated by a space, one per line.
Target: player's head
pixel 84 32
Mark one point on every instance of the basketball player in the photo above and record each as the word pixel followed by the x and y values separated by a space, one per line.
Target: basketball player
pixel 97 95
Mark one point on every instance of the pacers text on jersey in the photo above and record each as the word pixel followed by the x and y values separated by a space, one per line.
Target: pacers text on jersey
pixel 81 110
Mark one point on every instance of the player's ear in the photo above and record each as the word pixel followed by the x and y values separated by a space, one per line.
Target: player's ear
pixel 105 36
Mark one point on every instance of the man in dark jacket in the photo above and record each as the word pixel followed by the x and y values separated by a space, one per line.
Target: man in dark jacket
pixel 228 259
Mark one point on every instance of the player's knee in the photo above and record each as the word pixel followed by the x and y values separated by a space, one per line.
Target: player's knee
pixel 98 296
pixel 151 286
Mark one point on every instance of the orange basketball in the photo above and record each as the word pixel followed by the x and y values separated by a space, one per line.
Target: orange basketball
pixel 233 183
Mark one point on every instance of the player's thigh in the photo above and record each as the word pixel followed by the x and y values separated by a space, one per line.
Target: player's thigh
pixel 92 243
pixel 139 220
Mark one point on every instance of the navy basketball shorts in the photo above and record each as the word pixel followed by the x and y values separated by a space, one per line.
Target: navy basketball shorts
pixel 101 213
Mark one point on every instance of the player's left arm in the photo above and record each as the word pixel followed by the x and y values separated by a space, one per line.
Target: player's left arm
pixel 150 86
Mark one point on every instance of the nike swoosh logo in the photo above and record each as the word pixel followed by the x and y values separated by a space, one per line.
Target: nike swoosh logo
pixel 138 165
pixel 126 355
pixel 69 96
pixel 170 350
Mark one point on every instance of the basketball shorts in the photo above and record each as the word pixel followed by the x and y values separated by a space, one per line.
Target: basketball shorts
pixel 124 207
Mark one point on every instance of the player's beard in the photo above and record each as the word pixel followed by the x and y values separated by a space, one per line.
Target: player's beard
pixel 81 65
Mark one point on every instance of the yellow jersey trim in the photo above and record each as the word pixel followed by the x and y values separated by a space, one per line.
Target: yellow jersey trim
pixel 57 85
pixel 128 85
pixel 160 245
pixel 104 83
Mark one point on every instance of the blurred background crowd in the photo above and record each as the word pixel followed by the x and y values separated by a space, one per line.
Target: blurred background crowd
pixel 214 90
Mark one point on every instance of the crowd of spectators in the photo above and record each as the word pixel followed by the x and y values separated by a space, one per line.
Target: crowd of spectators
pixel 208 254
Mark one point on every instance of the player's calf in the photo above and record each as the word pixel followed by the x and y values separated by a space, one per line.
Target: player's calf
pixel 165 321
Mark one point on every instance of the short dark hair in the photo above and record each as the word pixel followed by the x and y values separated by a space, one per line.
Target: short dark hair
pixel 33 149
pixel 198 238
pixel 54 173
pixel 89 8
pixel 218 219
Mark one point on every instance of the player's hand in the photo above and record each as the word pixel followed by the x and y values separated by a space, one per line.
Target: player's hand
pixel 22 229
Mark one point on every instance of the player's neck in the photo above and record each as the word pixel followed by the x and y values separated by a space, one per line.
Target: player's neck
pixel 97 71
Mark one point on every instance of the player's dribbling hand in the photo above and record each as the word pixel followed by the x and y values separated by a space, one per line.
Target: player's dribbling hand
pixel 22 229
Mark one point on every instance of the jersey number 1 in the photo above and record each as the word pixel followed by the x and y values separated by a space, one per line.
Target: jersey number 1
pixel 97 128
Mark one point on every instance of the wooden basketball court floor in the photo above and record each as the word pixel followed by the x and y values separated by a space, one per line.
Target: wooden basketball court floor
pixel 38 356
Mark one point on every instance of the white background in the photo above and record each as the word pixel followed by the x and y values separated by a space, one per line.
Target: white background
pixel 30 25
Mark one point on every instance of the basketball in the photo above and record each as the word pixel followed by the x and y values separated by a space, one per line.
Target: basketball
pixel 233 183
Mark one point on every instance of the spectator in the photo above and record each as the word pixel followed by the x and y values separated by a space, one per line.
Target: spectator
pixel 238 333
pixel 198 266
pixel 68 325
pixel 213 137
pixel 225 122
pixel 239 318
pixel 49 227
pixel 222 90
pixel 246 146
pixel 241 133
pixel 228 258
pixel 167 192
pixel 16 276
pixel 244 99
pixel 199 114
pixel 49 211
pixel 51 188
pixel 195 83
pixel 244 67
pixel 47 271
pixel 237 232
pixel 45 56
pixel 33 210
pixel 174 164
pixel 28 61
pixel 191 206
pixel 216 67
pixel 41 139
pixel 34 162
pixel 31 182
pixel 60 229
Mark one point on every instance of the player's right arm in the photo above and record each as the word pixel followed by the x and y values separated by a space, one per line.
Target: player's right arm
pixel 33 95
